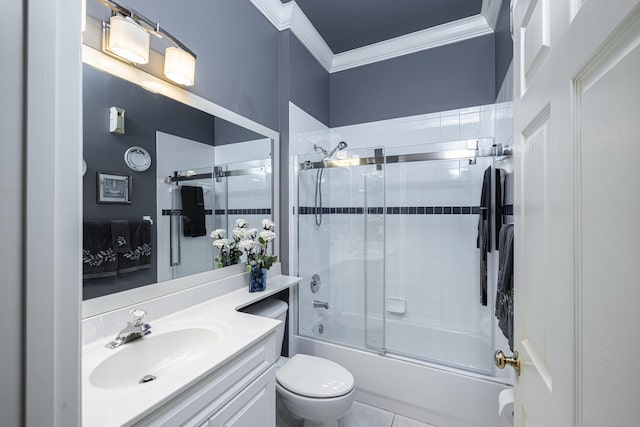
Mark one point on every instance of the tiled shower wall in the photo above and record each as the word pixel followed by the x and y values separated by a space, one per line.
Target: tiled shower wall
pixel 430 260
pixel 430 256
pixel 312 253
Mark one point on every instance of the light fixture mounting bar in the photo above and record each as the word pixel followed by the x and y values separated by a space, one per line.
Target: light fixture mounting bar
pixel 152 27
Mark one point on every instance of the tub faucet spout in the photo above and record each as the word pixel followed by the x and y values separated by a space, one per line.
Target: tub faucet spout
pixel 321 304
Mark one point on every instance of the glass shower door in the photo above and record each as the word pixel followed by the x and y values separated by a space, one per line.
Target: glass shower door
pixel 433 301
pixel 340 245
pixel 248 193
pixel 191 254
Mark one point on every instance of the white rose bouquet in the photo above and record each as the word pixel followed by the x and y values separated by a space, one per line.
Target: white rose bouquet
pixel 257 257
pixel 229 248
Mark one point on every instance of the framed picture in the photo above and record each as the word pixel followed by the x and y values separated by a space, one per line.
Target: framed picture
pixel 113 188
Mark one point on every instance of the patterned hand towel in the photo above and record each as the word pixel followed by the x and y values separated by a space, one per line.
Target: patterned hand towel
pixel 138 257
pixel 120 235
pixel 99 259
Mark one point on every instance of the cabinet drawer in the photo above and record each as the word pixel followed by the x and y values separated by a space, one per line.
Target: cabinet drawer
pixel 254 406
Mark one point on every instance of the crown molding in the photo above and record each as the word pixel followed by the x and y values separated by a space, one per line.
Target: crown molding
pixel 310 37
pixel 277 13
pixel 451 32
pixel 491 11
pixel 290 16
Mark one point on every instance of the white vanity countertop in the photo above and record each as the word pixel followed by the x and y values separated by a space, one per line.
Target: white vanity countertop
pixel 235 331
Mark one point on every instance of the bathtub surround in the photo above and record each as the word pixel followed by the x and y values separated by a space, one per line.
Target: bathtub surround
pixel 420 220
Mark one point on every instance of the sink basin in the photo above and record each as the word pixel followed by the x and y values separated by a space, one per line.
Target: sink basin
pixel 155 358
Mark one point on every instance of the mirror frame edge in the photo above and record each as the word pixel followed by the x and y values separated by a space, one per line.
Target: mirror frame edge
pixel 99 60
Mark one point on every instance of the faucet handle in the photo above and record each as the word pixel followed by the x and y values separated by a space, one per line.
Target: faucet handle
pixel 136 316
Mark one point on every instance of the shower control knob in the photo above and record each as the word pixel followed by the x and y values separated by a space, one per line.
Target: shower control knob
pixel 502 361
pixel 315 283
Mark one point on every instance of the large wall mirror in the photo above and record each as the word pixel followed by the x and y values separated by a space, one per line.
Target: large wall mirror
pixel 162 170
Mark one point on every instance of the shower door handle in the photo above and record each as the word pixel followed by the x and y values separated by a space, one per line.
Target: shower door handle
pixel 174 248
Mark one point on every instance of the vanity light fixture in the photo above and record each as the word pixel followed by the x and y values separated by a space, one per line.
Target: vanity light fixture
pixel 127 37
pixel 128 40
pixel 179 66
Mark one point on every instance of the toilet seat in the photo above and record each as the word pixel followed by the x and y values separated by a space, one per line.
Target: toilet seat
pixel 316 377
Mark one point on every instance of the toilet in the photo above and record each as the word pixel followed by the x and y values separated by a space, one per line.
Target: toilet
pixel 313 389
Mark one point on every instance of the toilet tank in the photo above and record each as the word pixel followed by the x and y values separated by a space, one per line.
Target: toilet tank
pixel 274 309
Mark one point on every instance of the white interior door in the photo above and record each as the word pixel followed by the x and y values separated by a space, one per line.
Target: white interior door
pixel 577 133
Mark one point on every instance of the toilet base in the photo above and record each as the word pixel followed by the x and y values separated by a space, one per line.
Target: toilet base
pixel 315 412
pixel 311 423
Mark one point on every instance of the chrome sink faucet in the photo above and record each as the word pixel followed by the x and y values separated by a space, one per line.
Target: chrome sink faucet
pixel 135 329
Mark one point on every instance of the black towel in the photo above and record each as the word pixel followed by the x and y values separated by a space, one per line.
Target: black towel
pixel 193 211
pixel 485 203
pixel 504 293
pixel 120 235
pixel 138 257
pixel 484 235
pixel 99 259
pixel 498 207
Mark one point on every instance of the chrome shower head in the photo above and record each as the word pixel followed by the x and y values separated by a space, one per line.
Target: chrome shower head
pixel 341 146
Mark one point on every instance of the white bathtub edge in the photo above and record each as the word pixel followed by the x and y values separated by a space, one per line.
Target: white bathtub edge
pixel 451 400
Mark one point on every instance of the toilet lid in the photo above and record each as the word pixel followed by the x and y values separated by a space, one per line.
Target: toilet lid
pixel 315 377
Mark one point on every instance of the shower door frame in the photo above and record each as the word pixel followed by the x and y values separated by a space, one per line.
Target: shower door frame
pixel 469 154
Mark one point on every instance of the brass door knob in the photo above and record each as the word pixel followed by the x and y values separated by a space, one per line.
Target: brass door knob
pixel 502 360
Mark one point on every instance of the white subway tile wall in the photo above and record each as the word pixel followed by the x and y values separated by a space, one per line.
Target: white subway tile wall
pixel 429 261
pixel 310 243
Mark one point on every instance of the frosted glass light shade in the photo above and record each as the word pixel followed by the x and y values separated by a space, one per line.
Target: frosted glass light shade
pixel 179 66
pixel 128 40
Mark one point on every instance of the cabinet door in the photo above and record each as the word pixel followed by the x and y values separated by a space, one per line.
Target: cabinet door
pixel 254 406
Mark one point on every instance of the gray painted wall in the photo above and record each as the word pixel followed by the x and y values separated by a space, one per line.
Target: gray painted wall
pixel 11 200
pixel 308 80
pixel 229 133
pixel 146 113
pixel 304 82
pixel 237 49
pixel 453 76
pixel 503 45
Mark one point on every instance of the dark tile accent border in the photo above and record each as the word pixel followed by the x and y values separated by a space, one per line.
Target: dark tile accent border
pixel 167 212
pixel 507 210
pixel 243 211
pixel 395 210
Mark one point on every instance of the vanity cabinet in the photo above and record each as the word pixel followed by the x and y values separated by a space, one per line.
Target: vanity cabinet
pixel 240 393
pixel 254 406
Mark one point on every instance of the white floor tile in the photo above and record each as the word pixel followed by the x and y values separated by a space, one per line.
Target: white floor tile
pixel 361 415
pixel 400 421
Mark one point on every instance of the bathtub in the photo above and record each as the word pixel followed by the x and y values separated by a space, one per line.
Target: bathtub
pixel 459 392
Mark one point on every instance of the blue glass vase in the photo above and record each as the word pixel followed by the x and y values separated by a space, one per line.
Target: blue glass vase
pixel 257 279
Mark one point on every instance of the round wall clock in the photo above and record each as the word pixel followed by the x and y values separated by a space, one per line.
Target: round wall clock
pixel 137 158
